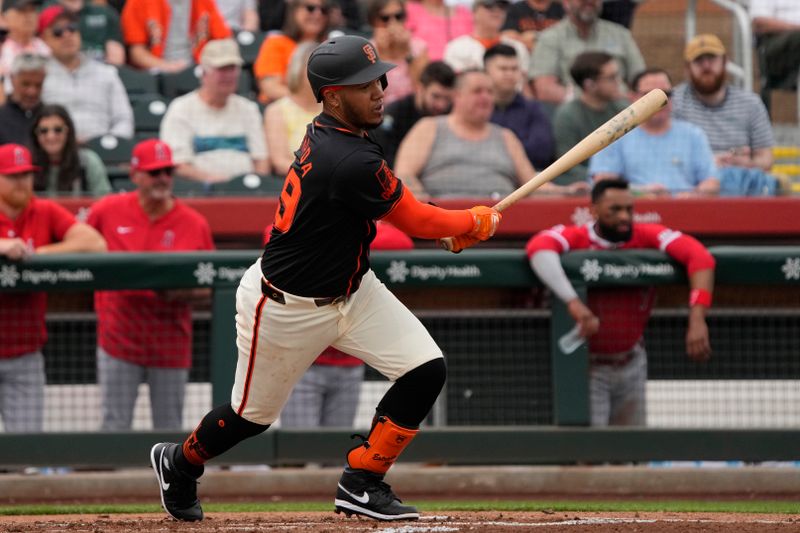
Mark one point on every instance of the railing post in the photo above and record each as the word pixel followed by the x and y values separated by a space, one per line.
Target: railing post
pixel 223 344
pixel 570 371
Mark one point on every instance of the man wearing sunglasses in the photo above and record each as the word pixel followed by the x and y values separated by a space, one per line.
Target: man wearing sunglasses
pixel 146 336
pixel 91 91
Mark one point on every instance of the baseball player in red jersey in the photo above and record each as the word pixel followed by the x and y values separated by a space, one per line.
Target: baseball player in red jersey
pixel 614 319
pixel 313 288
pixel 29 226
pixel 146 335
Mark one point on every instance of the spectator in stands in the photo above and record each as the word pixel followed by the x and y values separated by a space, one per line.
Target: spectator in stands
pixel 25 100
pixel 735 121
pixel 146 336
pixel 328 393
pixel 29 226
pixel 526 18
pixel 91 91
pixel 286 118
pixel 239 14
pixel 462 153
pixel 466 52
pixel 597 76
pixel 432 97
pixel 396 45
pixel 613 319
pixel 662 156
pixel 512 110
pixel 436 23
pixel 169 35
pixel 22 18
pixel 776 23
pixel 582 30
pixel 216 134
pixel 101 36
pixel 306 20
pixel 64 168
pixel 620 11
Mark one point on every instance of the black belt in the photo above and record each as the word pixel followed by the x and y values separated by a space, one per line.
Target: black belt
pixel 620 360
pixel 274 294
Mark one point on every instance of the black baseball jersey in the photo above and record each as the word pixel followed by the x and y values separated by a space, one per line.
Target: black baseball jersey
pixel 337 186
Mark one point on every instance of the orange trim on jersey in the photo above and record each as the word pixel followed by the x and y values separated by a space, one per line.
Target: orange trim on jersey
pixel 358 266
pixel 252 357
pixel 345 130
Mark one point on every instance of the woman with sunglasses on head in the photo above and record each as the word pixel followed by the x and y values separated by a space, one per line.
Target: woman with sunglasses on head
pixel 396 45
pixel 306 21
pixel 65 168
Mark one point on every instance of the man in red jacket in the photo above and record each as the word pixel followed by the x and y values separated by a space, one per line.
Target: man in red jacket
pixel 146 336
pixel 28 226
pixel 613 320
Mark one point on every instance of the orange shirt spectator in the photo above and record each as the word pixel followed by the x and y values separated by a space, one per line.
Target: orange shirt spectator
pixel 145 27
pixel 306 21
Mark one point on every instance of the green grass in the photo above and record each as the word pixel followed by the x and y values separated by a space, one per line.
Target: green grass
pixel 749 506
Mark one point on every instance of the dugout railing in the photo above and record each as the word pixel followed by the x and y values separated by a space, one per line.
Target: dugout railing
pixel 512 397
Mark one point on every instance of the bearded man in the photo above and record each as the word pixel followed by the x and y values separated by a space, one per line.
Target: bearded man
pixel 29 226
pixel 735 121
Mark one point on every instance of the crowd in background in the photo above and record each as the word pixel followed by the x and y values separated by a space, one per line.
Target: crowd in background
pixel 554 71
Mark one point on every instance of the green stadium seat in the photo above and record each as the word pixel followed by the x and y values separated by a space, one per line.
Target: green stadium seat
pixel 186 187
pixel 122 184
pixel 114 151
pixel 249 45
pixel 175 84
pixel 137 82
pixel 248 184
pixel 147 115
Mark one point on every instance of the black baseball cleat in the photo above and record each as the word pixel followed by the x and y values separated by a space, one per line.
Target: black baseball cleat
pixel 178 489
pixel 365 493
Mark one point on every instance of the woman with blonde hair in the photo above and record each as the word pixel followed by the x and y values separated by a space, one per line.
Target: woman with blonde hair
pixel 285 119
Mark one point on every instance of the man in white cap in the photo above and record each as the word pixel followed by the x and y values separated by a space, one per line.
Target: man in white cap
pixel 214 133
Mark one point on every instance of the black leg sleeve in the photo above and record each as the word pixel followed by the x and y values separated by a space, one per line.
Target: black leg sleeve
pixel 410 399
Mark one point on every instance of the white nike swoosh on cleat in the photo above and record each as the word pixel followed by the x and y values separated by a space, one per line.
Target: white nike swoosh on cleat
pixel 164 486
pixel 364 498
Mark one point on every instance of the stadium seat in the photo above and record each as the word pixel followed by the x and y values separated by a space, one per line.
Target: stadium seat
pixel 186 187
pixel 248 184
pixel 174 84
pixel 147 115
pixel 249 45
pixel 137 82
pixel 114 151
pixel 122 183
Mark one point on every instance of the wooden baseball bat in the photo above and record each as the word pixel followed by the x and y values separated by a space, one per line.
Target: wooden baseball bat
pixel 616 127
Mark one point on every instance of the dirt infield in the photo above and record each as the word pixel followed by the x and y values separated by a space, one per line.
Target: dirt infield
pixel 441 522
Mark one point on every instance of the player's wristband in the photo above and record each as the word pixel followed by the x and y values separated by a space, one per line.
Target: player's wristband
pixel 699 297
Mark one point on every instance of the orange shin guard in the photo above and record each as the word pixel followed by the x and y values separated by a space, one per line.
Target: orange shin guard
pixel 385 443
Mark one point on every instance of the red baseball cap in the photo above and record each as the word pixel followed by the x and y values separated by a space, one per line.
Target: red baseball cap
pixel 15 159
pixel 50 15
pixel 151 154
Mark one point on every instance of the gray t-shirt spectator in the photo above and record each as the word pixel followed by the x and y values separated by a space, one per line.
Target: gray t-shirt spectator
pixel 559 45
pixel 94 96
pixel 740 120
pixel 178 47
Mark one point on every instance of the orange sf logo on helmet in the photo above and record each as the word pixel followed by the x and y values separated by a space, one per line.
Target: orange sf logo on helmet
pixel 370 53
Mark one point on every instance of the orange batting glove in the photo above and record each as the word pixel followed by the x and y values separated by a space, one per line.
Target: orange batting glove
pixel 484 222
pixel 462 242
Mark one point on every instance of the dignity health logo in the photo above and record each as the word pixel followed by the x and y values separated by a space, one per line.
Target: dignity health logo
pixel 592 270
pixel 400 272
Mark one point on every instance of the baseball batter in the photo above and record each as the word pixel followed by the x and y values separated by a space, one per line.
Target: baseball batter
pixel 614 319
pixel 313 288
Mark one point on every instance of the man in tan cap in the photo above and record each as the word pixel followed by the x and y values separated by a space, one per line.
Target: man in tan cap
pixel 214 133
pixel 735 121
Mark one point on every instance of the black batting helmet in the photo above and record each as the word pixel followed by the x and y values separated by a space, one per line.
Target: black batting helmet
pixel 345 60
